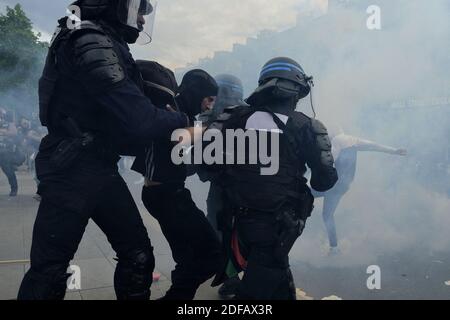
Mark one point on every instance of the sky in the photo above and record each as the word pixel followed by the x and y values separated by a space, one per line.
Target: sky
pixel 187 30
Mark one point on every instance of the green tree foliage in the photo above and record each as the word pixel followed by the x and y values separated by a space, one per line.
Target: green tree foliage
pixel 22 57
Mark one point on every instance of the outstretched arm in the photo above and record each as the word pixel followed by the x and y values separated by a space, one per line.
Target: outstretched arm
pixel 367 145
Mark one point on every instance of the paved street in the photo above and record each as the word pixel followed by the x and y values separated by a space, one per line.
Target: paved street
pixel 95 256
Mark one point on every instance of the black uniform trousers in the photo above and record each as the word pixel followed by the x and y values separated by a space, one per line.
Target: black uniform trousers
pixel 266 276
pixel 215 205
pixel 194 243
pixel 92 189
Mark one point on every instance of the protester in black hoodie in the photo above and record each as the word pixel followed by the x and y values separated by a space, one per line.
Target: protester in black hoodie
pixel 195 246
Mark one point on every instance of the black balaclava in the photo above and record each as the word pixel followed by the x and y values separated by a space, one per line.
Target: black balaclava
pixel 196 85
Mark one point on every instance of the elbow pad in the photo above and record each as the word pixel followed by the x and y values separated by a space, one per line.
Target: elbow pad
pixel 97 61
pixel 324 175
pixel 322 144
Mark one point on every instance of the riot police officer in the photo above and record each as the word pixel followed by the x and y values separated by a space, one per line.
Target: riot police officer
pixel 194 244
pixel 268 212
pixel 92 103
pixel 231 93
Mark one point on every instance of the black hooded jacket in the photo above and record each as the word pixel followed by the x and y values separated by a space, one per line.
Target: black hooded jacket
pixel 155 163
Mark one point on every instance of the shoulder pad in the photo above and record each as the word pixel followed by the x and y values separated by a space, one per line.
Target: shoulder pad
pixel 318 127
pixel 87 25
pixel 224 116
pixel 89 34
pixel 215 126
pixel 323 142
pixel 298 119
pixel 96 59
pixel 300 115
pixel 228 113
pixel 231 109
pixel 322 139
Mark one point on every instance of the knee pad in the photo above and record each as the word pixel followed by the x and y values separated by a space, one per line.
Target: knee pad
pixel 47 284
pixel 133 276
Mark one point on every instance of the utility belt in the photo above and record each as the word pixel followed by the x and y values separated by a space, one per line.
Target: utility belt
pixel 287 223
pixel 77 144
pixel 302 204
pixel 290 222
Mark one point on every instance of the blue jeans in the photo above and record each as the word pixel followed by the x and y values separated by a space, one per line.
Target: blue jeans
pixel 331 201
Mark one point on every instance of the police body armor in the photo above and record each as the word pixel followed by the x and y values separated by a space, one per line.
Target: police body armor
pixel 285 194
pixel 66 108
pixel 245 185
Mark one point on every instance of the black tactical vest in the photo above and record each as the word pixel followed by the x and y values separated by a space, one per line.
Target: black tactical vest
pixel 245 185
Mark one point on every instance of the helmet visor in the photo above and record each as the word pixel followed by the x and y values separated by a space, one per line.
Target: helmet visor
pixel 140 15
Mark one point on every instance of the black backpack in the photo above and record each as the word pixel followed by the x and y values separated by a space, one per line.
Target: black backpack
pixel 160 84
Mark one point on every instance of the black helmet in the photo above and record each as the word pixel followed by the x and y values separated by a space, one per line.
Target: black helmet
pixel 92 9
pixel 126 12
pixel 286 69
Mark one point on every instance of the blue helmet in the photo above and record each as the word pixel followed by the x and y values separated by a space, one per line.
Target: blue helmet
pixel 231 93
pixel 230 86
pixel 286 69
